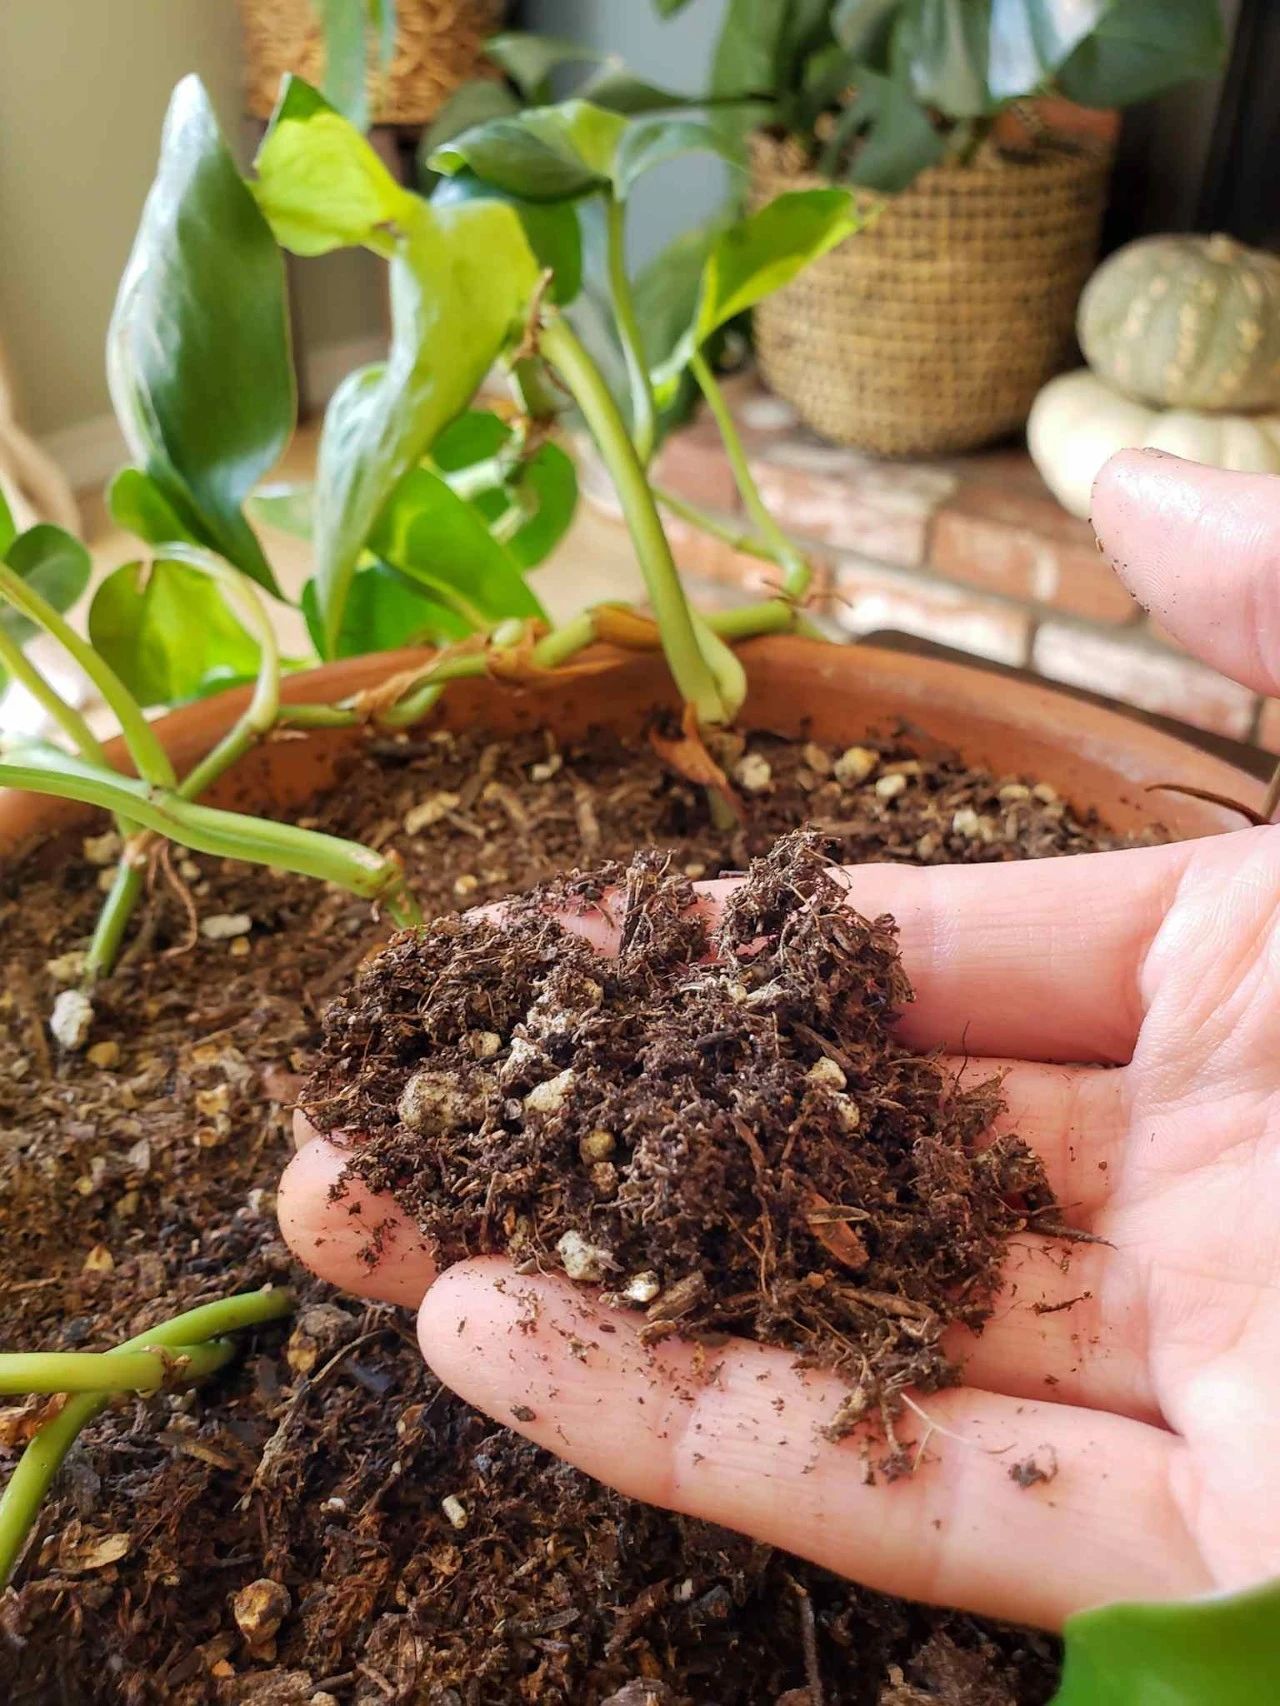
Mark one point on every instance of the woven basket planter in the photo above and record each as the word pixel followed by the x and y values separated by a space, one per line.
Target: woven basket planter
pixel 933 329
pixel 438 45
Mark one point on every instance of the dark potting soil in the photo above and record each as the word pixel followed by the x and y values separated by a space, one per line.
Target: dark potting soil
pixel 716 1125
pixel 137 1180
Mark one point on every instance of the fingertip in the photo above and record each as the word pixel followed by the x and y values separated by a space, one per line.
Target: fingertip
pixel 345 1233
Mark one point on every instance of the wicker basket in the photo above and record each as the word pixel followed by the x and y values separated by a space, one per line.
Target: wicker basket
pixel 933 329
pixel 438 45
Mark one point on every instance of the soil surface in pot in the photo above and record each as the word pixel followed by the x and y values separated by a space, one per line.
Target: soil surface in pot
pixel 137 1180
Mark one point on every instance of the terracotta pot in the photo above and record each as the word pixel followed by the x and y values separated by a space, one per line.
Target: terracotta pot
pixel 799 687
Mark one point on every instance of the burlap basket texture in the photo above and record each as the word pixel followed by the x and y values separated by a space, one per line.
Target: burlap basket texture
pixel 933 329
pixel 438 45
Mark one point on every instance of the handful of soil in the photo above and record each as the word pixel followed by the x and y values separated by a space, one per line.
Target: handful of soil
pixel 717 1126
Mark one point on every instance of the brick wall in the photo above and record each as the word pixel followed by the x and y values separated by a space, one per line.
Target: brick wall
pixel 970 551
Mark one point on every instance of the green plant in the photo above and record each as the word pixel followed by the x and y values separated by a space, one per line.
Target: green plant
pixel 168 1356
pixel 879 89
pixel 426 515
pixel 349 26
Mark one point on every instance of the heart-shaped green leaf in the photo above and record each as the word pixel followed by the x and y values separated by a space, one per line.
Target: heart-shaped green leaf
pixel 198 349
pixel 754 257
pixel 461 281
pixel 543 154
pixel 551 228
pixel 53 564
pixel 863 28
pixel 542 488
pixel 166 630
pixel 384 610
pixel 444 544
pixel 320 184
pixel 1224 1650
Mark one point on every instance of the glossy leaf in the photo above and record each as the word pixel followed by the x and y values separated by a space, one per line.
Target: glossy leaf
pixel 1142 47
pixel 758 255
pixel 166 630
pixel 441 541
pixel 530 60
pixel 941 47
pixel 140 506
pixel 647 143
pixel 863 29
pixel 546 492
pixel 1224 1650
pixel 551 228
pixel 883 139
pixel 666 291
pixel 469 105
pixel 320 184
pixel 543 154
pixel 461 281
pixel 198 349
pixel 384 610
pixel 477 436
pixel 287 505
pixel 8 530
pixel 618 91
pixel 763 45
pixel 52 563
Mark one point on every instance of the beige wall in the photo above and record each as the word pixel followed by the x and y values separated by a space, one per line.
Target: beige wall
pixel 83 89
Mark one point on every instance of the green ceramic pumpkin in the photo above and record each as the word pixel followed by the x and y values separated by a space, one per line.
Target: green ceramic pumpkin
pixel 1186 323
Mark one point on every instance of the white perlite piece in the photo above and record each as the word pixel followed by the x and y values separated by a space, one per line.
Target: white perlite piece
pixel 827 1073
pixel 102 849
pixel 427 812
pixel 847 1112
pixel 222 926
pixel 642 1288
pixel 583 1261
pixel 753 773
pixel 71 1019
pixel 484 1044
pixel 855 764
pixel 67 968
pixel 455 1511
pixel 550 1096
pixel 889 787
pixel 433 1101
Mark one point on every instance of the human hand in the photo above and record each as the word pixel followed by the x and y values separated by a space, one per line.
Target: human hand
pixel 1158 1390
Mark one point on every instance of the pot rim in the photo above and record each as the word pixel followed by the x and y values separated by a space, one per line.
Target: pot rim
pixel 796 685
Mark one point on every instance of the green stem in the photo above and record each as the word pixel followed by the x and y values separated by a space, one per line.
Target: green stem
pixel 796 571
pixel 42 1459
pixel 751 544
pixel 259 715
pixel 14 661
pixel 644 416
pixel 694 680
pixel 113 919
pixel 149 757
pixel 225 835
pixel 109 1371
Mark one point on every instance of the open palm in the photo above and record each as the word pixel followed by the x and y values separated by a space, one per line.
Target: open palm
pixel 1141 1378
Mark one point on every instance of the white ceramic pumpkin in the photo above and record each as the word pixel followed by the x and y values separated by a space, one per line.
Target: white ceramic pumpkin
pixel 1078 421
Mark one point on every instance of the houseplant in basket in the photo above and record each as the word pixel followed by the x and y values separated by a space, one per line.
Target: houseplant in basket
pixel 935 332
pixel 325 1520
